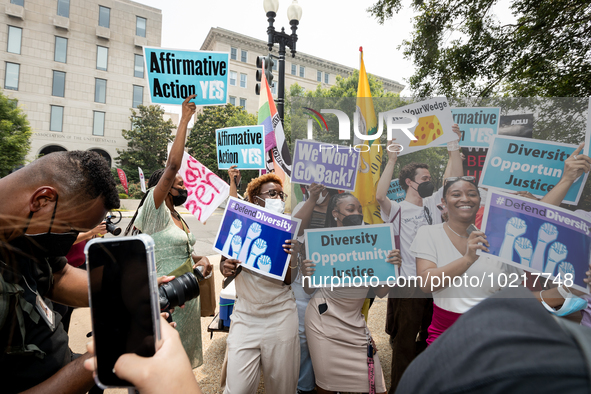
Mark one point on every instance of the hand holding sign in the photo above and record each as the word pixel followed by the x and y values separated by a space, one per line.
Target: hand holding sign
pixel 576 164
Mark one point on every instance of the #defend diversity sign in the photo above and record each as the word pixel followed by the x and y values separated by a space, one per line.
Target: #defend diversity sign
pixel 395 192
pixel 515 164
pixel 255 235
pixel 351 256
pixel 538 237
pixel 243 146
pixel 333 166
pixel 174 75
pixel 477 124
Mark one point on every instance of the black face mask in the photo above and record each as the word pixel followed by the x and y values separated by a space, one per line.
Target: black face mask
pixel 181 198
pixel 425 189
pixel 352 220
pixel 46 244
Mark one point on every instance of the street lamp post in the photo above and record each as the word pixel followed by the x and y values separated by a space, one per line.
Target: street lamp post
pixel 294 14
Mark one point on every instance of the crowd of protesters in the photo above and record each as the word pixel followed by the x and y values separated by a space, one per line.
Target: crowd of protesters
pixel 302 339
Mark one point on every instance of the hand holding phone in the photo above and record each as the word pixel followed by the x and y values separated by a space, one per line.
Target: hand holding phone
pixel 124 304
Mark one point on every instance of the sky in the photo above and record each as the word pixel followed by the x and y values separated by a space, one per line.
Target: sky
pixel 329 29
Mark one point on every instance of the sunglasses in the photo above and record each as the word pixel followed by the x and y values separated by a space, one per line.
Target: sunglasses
pixel 275 193
pixel 460 178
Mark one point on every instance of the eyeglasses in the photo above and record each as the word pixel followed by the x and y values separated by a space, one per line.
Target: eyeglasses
pixel 275 193
pixel 460 178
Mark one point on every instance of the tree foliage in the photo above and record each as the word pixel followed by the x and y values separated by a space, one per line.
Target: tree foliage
pixel 461 48
pixel 202 144
pixel 146 142
pixel 15 135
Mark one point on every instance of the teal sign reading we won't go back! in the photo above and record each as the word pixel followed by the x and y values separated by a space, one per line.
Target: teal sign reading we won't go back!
pixel 174 75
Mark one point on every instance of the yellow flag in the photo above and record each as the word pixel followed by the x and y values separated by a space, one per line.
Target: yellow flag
pixel 371 154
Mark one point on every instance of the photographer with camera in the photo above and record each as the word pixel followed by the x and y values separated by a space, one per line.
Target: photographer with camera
pixel 157 216
pixel 45 206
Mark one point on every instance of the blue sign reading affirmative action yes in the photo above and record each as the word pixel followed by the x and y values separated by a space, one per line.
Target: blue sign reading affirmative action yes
pixel 255 235
pixel 174 75
pixel 243 146
pixel 333 166
pixel 515 164
pixel 477 124
pixel 351 252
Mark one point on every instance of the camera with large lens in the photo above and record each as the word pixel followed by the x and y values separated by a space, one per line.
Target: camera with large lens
pixel 110 223
pixel 180 290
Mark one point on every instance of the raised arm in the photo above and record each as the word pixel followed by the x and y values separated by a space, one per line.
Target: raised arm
pixel 305 212
pixel 386 178
pixel 574 166
pixel 234 175
pixel 455 163
pixel 175 157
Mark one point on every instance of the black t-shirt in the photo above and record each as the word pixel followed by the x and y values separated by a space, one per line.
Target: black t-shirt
pixel 506 344
pixel 22 371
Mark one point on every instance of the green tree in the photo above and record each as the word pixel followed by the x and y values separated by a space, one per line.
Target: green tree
pixel 15 135
pixel 461 48
pixel 202 144
pixel 146 142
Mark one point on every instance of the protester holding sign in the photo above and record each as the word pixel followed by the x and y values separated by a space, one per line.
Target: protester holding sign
pixel 348 343
pixel 409 311
pixel 264 330
pixel 156 216
pixel 450 267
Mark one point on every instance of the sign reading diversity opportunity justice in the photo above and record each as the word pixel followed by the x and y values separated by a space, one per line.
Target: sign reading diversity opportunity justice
pixel 333 166
pixel 351 256
pixel 174 75
pixel 515 164
pixel 243 146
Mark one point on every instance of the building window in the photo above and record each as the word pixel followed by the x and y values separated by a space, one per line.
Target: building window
pixel 242 80
pixel 102 57
pixel 11 76
pixel 138 96
pixel 140 26
pixel 56 119
pixel 63 8
pixel 15 35
pixel 232 100
pixel 325 77
pixel 293 69
pixel 233 77
pixel 243 102
pixel 138 70
pixel 319 76
pixel 98 127
pixel 233 53
pixel 59 84
pixel 61 49
pixel 244 56
pixel 18 2
pixel 104 16
pixel 302 71
pixel 100 90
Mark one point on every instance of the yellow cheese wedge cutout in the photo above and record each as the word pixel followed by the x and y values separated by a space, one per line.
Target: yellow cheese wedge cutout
pixel 427 131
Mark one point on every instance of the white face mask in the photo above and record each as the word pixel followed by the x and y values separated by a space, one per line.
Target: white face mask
pixel 275 205
pixel 321 198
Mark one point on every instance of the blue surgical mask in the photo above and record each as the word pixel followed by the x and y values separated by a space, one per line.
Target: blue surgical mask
pixel 571 304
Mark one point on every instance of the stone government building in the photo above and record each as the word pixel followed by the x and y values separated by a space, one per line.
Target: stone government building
pixel 76 68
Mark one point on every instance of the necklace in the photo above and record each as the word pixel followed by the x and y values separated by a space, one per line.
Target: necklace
pixel 452 230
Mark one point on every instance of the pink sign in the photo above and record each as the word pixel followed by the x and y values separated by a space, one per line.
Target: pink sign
pixel 123 180
pixel 205 190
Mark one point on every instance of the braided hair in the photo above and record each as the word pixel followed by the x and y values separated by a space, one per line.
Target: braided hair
pixel 334 201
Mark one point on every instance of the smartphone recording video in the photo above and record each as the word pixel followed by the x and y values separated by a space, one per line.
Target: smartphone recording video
pixel 123 301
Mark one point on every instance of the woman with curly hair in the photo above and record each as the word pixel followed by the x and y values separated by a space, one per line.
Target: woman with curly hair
pixel 264 330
